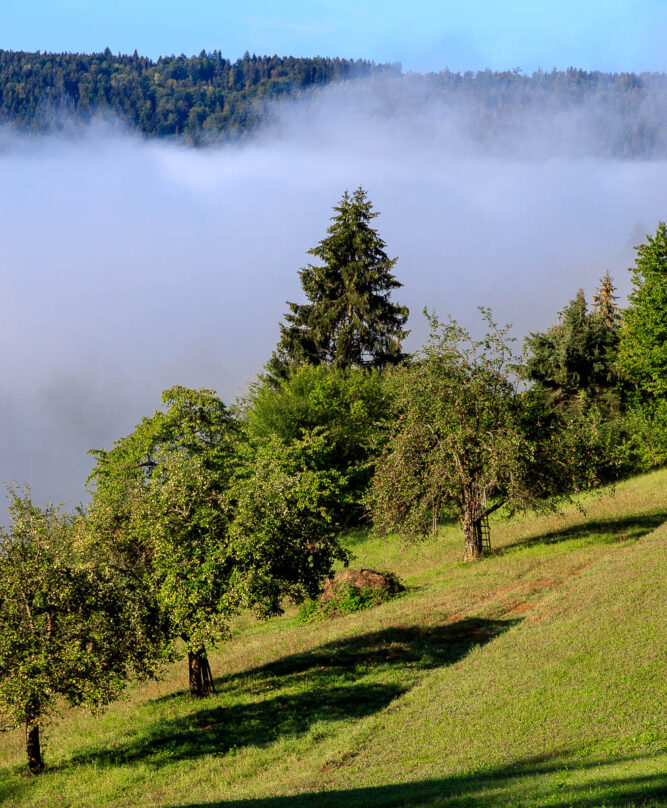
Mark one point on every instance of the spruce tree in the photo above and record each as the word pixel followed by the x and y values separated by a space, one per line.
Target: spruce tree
pixel 604 303
pixel 349 319
pixel 576 355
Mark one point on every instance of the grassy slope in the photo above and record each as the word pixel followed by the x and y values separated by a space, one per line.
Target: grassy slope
pixel 532 679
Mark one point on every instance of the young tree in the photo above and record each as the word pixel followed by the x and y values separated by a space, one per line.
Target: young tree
pixel 643 344
pixel 604 303
pixel 465 441
pixel 349 320
pixel 67 629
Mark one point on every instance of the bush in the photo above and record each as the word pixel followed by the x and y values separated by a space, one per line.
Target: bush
pixel 347 598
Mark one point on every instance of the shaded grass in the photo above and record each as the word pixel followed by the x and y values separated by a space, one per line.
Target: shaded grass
pixel 477 790
pixel 340 681
pixel 624 528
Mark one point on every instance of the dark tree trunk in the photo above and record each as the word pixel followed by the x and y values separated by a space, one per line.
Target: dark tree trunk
pixel 33 749
pixel 200 677
pixel 472 550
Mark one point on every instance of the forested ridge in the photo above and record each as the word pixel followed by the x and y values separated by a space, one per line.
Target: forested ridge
pixel 208 97
pixel 175 95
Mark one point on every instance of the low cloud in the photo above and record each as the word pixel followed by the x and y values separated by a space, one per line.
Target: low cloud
pixel 129 265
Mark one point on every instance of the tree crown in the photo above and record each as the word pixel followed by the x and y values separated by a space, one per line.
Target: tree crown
pixel 349 320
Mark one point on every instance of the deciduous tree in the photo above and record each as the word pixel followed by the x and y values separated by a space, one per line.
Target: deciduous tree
pixel 67 629
pixel 466 443
pixel 347 406
pixel 206 524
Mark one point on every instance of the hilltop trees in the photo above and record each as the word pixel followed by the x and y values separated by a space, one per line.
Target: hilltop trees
pixel 349 320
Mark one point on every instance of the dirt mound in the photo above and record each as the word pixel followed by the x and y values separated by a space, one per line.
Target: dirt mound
pixel 361 579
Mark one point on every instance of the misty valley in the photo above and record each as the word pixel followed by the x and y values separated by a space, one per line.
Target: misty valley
pixel 351 384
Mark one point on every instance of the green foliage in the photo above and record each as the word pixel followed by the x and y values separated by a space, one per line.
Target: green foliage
pixel 161 512
pixel 205 524
pixel 573 361
pixel 638 438
pixel 199 98
pixel 349 320
pixel 643 346
pixel 346 407
pixel 205 97
pixel 465 442
pixel 559 628
pixel 284 533
pixel 67 631
pixel 345 600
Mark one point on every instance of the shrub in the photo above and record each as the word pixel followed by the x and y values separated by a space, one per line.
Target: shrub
pixel 347 599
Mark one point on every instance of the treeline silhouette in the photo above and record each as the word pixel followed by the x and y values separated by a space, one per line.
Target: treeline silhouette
pixel 175 95
pixel 208 97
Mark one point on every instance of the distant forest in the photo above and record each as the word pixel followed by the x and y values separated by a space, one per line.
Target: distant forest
pixel 194 96
pixel 208 98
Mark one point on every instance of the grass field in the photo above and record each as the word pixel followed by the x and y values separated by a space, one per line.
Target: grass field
pixel 534 678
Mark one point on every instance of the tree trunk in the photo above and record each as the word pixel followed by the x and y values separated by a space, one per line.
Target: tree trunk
pixel 472 550
pixel 200 677
pixel 33 749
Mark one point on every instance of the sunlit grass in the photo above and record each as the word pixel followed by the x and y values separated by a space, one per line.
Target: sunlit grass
pixel 534 678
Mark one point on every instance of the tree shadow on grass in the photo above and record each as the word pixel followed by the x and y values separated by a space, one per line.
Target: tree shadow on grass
pixel 605 530
pixel 287 697
pixel 494 787
pixel 418 646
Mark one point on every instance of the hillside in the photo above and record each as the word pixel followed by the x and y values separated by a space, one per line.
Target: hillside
pixel 195 97
pixel 534 678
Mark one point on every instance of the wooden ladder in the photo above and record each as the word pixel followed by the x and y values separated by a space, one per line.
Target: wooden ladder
pixel 484 534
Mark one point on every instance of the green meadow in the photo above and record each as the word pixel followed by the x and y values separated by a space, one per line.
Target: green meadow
pixel 533 678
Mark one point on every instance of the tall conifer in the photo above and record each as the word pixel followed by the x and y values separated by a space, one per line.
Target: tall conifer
pixel 643 346
pixel 349 319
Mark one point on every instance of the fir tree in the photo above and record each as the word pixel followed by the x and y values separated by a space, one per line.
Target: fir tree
pixel 349 320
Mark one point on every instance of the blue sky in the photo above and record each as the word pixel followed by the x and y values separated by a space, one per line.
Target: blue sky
pixel 422 34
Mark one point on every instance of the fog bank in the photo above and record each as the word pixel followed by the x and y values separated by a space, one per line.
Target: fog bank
pixel 130 266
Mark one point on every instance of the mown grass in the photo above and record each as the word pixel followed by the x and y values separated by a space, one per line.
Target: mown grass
pixel 535 678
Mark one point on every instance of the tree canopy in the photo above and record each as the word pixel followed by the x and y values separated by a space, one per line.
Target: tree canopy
pixel 347 407
pixel 643 345
pixel 171 512
pixel 67 629
pixel 205 97
pixel 575 358
pixel 466 443
pixel 350 320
